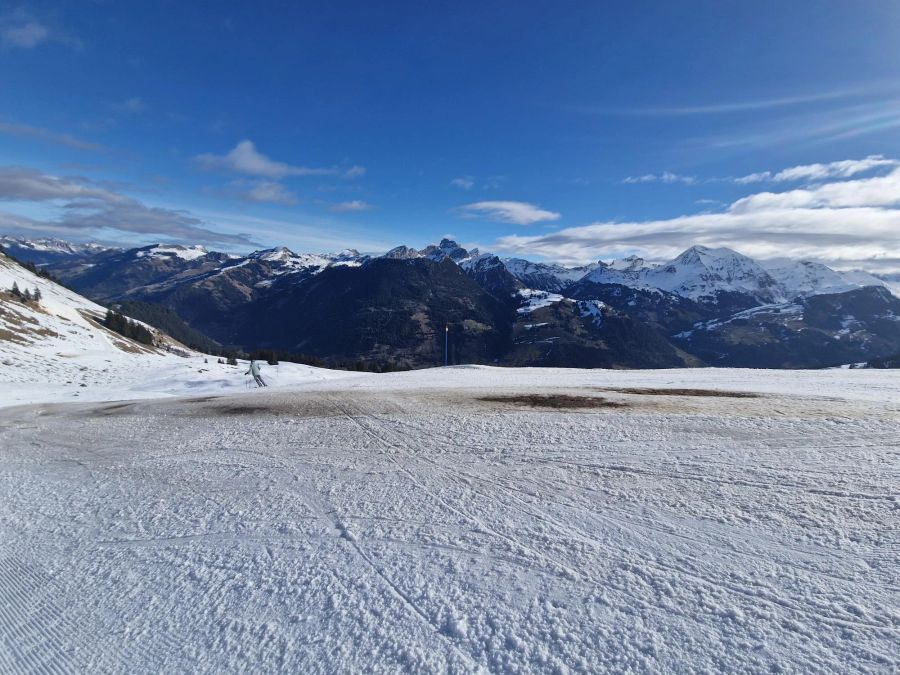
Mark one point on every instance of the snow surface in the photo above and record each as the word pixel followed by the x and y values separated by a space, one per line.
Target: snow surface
pixel 52 245
pixel 534 299
pixel 592 308
pixel 174 250
pixel 399 522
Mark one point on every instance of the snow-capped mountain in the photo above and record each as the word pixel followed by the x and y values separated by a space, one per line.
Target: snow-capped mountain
pixel 630 271
pixel 804 278
pixel 547 276
pixel 447 248
pixel 402 253
pixel 46 250
pixel 172 251
pixel 702 274
pixel 215 292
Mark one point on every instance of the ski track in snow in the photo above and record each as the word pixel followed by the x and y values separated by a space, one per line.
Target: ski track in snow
pixel 400 522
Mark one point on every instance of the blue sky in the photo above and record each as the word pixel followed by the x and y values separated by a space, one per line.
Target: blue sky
pixel 572 131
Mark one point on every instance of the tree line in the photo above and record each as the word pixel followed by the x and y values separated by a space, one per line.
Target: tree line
pixel 125 327
pixel 26 295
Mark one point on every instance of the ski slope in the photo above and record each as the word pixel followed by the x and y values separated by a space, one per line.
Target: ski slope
pixel 468 519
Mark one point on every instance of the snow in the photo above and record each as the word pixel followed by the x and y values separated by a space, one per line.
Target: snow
pixel 806 278
pixel 785 309
pixel 536 299
pixel 183 252
pixel 701 272
pixel 861 278
pixel 52 245
pixel 632 263
pixel 562 277
pixel 593 309
pixel 397 522
pixel 60 353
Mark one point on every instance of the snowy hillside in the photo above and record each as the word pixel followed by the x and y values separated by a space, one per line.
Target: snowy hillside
pixel 58 341
pixel 56 350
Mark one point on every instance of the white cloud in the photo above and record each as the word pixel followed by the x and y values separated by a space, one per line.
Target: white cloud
pixel 847 224
pixel 244 158
pixel 353 205
pixel 846 168
pixel 269 192
pixel 463 182
pixel 664 177
pixel 517 213
pixel 878 191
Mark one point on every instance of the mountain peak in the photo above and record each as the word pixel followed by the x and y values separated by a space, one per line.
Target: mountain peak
pixel 279 253
pixel 172 251
pixel 447 249
pixel 402 253
pixel 632 263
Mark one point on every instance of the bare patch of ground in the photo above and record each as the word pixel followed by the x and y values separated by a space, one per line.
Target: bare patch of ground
pixel 555 401
pixel 714 393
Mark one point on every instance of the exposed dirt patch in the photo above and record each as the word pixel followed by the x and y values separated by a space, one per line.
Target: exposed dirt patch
pixel 115 407
pixel 555 401
pixel 202 399
pixel 229 410
pixel 715 393
pixel 300 408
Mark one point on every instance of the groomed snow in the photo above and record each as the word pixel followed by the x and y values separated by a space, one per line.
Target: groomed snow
pixel 384 523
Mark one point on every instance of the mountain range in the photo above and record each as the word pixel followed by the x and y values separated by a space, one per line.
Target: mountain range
pixel 707 306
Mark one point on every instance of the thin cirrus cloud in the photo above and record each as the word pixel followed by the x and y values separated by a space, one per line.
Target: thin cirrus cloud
pixel 483 183
pixel 752 105
pixel 463 182
pixel 664 177
pixel 266 192
pixel 84 206
pixel 350 206
pixel 41 134
pixel 846 168
pixel 245 159
pixel 845 223
pixel 130 106
pixel 516 213
pixel 19 29
pixel 841 169
pixel 812 127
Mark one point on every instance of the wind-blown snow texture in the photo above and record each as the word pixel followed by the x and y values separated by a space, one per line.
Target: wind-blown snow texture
pixel 381 523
